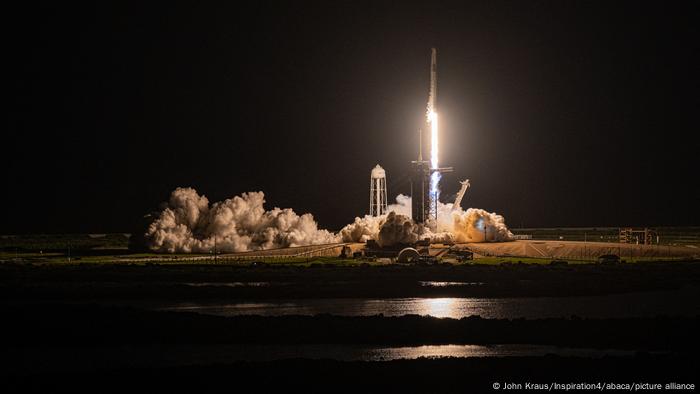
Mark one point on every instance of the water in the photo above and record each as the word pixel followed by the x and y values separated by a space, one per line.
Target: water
pixel 230 284
pixel 684 302
pixel 87 359
pixel 449 284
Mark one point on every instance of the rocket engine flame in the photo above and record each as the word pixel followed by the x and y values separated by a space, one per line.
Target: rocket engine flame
pixel 433 120
pixel 435 176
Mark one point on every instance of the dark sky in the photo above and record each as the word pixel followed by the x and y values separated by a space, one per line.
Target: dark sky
pixel 560 113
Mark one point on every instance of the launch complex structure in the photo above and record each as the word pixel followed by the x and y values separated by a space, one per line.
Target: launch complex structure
pixel 425 174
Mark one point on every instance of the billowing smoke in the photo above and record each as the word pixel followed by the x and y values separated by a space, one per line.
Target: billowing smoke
pixel 399 229
pixel 472 225
pixel 478 225
pixel 189 224
pixel 362 229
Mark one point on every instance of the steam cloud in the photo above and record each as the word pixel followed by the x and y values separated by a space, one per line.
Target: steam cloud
pixel 472 225
pixel 188 223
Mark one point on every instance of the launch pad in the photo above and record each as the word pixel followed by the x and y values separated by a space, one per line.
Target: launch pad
pixel 573 251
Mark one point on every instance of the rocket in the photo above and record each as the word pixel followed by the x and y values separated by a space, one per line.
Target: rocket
pixel 426 174
pixel 433 80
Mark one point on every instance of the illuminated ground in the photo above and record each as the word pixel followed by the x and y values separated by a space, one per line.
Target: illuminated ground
pixel 566 250
pixel 525 251
pixel 574 250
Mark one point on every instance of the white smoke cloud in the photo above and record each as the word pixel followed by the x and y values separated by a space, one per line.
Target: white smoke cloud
pixel 362 229
pixel 478 225
pixel 472 225
pixel 189 224
pixel 399 229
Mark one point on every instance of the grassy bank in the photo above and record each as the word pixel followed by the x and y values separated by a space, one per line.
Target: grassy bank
pixel 92 325
pixel 143 282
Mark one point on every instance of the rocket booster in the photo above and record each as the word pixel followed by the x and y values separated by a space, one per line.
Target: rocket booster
pixel 433 78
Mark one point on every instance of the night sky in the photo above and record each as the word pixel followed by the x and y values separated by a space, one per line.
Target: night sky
pixel 560 113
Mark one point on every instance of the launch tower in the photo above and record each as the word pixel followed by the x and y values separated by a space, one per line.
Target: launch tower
pixel 420 185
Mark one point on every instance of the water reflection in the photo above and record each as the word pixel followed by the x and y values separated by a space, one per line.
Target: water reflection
pixel 228 284
pixel 684 302
pixel 448 284
pixel 439 307
pixel 57 359
pixel 435 351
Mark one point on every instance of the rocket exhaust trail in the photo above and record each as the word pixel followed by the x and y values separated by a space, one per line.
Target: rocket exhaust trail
pixel 433 121
pixel 426 175
pixel 433 81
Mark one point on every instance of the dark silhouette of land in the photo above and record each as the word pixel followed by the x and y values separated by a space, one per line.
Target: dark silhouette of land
pixel 124 283
pixel 78 310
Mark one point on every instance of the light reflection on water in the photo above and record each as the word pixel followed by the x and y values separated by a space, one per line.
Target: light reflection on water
pixel 354 352
pixel 228 284
pixel 439 307
pixel 684 302
pixel 449 284
pixel 430 351
pixel 57 359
